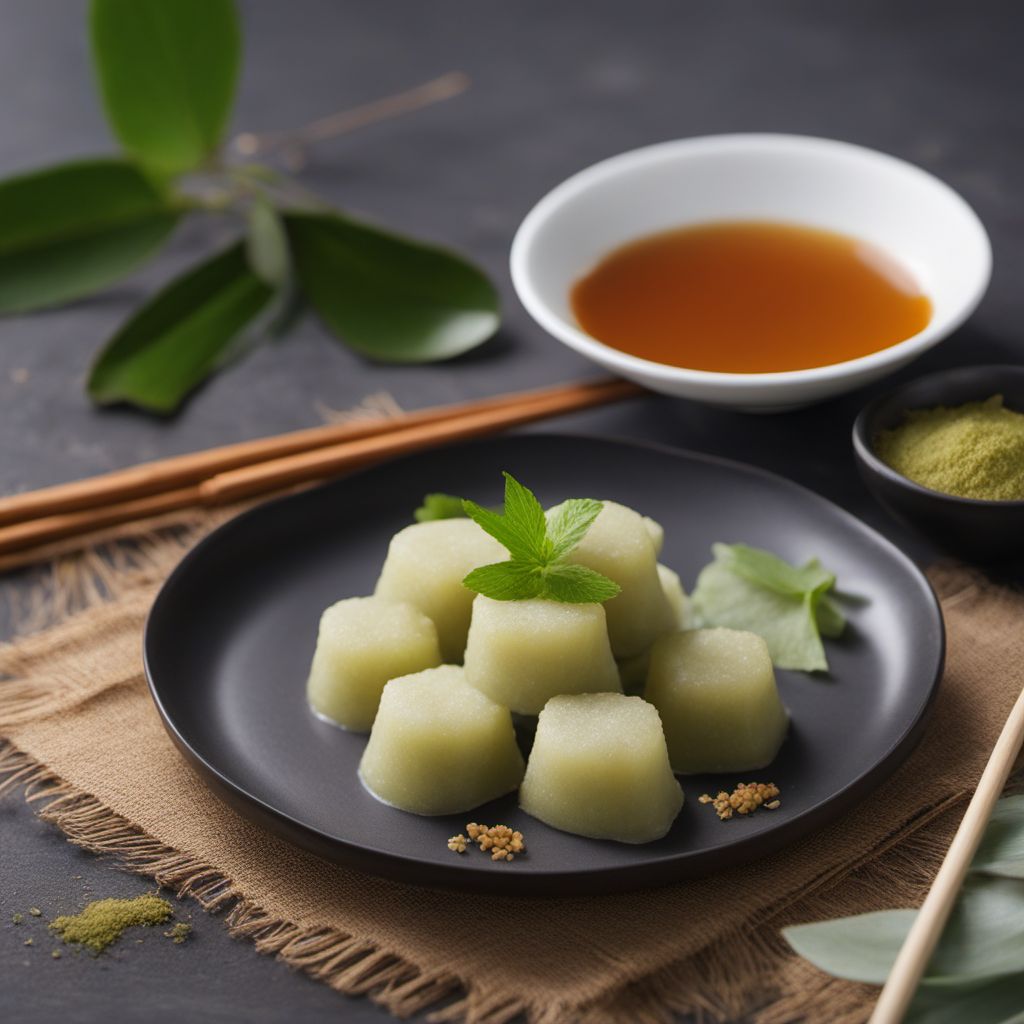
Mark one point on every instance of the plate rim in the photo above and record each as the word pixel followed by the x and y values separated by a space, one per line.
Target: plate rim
pixel 388 863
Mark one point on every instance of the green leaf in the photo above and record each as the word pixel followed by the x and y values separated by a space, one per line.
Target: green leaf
pixel 538 548
pixel 167 73
pixel 983 939
pixel 787 622
pixel 526 515
pixel 390 298
pixel 831 621
pixel 860 948
pixel 988 1002
pixel 266 245
pixel 507 581
pixel 439 506
pixel 181 335
pixel 71 230
pixel 499 528
pixel 569 522
pixel 752 589
pixel 576 584
pixel 1002 849
pixel 977 972
pixel 522 529
pixel 768 570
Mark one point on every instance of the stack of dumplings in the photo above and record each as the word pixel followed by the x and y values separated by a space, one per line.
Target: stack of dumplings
pixel 625 695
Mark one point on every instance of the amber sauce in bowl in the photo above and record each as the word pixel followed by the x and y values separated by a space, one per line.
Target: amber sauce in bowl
pixel 749 297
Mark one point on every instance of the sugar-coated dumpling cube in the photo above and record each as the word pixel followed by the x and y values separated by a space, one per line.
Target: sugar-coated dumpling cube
pixel 521 653
pixel 599 768
pixel 425 566
pixel 439 746
pixel 618 544
pixel 715 690
pixel 656 532
pixel 672 586
pixel 633 671
pixel 364 642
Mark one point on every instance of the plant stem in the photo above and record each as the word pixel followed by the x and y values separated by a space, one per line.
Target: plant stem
pixel 293 144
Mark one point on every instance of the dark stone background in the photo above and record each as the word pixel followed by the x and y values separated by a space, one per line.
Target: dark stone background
pixel 555 87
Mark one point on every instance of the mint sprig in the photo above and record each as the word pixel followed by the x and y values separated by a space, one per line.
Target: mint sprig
pixel 538 548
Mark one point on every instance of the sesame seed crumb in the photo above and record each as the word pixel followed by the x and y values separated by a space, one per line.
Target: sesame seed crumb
pixel 500 841
pixel 746 798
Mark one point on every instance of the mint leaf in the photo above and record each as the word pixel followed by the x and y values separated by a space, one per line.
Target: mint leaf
pixel 524 510
pixel 569 523
pixel 537 566
pixel 507 581
pixel 439 506
pixel 576 584
pixel 522 529
pixel 498 526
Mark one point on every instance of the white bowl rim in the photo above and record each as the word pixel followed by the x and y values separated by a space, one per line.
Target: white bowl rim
pixel 587 345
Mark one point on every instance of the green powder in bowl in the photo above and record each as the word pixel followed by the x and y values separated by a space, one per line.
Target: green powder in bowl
pixel 974 450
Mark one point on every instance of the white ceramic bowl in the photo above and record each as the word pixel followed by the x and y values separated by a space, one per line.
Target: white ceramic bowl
pixel 910 214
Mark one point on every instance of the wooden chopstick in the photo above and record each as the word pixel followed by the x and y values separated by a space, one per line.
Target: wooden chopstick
pixel 371 442
pixel 172 473
pixel 926 931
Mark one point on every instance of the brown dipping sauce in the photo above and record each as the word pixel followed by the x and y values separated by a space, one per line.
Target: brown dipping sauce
pixel 749 297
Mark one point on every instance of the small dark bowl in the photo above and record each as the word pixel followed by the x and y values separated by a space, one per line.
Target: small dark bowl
pixel 984 531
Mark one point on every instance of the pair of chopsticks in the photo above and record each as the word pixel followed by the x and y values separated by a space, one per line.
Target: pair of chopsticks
pixel 235 472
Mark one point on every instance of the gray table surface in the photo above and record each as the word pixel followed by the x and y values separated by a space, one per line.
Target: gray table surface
pixel 555 87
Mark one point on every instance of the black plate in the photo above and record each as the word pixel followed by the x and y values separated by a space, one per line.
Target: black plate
pixel 229 640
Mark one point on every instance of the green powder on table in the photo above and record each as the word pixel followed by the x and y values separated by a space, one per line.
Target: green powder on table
pixel 971 451
pixel 102 922
pixel 179 933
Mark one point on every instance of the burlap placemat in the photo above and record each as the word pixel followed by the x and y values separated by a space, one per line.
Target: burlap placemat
pixel 84 737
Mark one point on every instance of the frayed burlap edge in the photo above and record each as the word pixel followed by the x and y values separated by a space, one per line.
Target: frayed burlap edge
pixel 342 961
pixel 749 971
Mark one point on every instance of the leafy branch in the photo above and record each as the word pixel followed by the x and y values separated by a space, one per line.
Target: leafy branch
pixel 167 73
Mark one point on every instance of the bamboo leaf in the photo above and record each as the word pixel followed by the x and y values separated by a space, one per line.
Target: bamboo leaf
pixel 182 335
pixel 990 1002
pixel 983 939
pixel 70 230
pixel 167 73
pixel 1002 850
pixel 391 298
pixel 861 948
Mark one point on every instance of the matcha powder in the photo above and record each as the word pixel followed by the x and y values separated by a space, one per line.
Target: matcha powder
pixel 971 451
pixel 102 922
